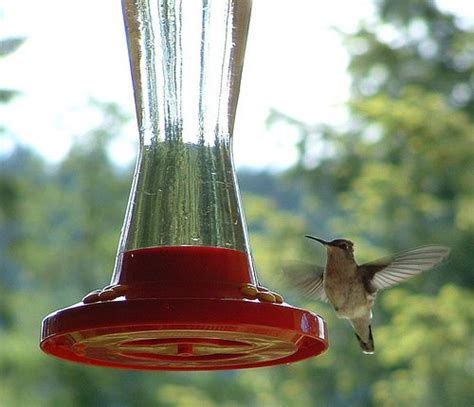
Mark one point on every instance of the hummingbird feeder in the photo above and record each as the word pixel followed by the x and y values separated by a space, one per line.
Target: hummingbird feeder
pixel 184 294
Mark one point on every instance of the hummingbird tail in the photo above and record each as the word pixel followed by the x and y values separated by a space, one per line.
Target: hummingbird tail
pixel 367 347
pixel 363 332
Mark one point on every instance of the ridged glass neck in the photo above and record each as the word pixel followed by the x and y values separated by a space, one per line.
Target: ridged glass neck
pixel 186 60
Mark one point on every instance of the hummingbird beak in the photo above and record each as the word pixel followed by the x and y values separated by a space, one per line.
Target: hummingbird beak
pixel 323 242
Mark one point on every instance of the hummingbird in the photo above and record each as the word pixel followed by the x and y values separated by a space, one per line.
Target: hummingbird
pixel 351 288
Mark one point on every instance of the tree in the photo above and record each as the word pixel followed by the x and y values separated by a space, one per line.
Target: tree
pixel 402 171
pixel 429 343
pixel 8 46
pixel 400 174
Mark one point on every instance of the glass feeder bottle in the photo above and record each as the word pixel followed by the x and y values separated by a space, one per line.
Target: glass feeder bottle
pixel 186 61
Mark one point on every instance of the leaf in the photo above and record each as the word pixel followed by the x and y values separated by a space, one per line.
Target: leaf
pixel 9 45
pixel 6 95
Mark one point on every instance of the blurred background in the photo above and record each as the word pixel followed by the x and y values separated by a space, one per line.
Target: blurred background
pixel 355 120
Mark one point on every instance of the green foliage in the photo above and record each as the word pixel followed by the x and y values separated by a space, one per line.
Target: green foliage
pixel 430 369
pixel 8 46
pixel 400 174
pixel 413 43
pixel 6 95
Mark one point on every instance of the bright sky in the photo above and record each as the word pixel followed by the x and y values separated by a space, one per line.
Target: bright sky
pixel 76 51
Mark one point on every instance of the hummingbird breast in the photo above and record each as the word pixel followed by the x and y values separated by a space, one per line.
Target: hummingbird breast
pixel 346 291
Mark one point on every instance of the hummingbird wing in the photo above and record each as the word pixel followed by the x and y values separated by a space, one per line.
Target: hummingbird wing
pixel 390 271
pixel 307 279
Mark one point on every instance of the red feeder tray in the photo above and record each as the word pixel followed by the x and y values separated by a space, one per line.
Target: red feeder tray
pixel 165 320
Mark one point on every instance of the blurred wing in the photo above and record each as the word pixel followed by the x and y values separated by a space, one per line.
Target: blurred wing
pixel 307 279
pixel 387 272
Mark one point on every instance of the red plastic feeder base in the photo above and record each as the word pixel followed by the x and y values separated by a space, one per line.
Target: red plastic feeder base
pixel 183 334
pixel 183 308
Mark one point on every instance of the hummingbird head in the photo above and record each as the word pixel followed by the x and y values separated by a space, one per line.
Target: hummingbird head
pixel 337 246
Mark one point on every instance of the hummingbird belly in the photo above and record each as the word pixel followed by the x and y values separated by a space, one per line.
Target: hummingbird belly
pixel 349 298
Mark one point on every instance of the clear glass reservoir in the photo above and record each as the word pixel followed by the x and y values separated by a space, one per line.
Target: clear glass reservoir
pixel 186 61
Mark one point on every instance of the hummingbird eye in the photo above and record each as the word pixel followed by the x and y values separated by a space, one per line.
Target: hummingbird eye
pixel 346 246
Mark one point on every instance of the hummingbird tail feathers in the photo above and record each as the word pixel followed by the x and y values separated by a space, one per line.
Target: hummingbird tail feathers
pixel 363 332
pixel 368 347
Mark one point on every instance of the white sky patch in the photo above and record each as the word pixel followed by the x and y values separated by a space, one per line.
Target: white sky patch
pixel 76 51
